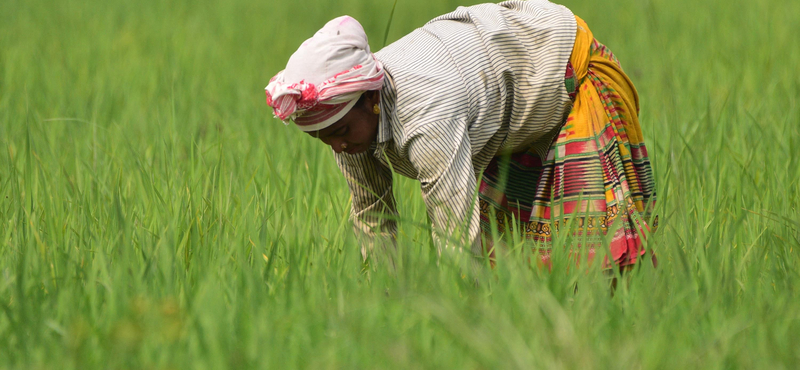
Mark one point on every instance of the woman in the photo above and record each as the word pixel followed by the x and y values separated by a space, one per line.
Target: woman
pixel 518 94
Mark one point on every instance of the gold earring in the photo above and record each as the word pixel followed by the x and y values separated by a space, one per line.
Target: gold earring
pixel 376 109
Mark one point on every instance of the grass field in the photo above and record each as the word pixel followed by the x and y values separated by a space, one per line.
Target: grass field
pixel 154 215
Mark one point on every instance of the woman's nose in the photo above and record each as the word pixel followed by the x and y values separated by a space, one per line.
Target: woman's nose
pixel 332 143
pixel 338 146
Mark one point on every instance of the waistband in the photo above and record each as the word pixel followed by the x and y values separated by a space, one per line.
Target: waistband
pixel 578 64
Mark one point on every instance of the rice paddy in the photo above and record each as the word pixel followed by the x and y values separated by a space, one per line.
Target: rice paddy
pixel 154 215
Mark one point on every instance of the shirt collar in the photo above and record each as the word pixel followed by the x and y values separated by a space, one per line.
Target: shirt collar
pixel 387 102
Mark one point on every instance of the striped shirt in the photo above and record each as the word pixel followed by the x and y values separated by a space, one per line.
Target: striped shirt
pixel 467 86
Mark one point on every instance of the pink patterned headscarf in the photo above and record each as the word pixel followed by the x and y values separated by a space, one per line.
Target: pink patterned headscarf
pixel 325 76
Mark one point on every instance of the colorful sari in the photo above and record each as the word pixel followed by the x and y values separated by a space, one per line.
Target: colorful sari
pixel 596 177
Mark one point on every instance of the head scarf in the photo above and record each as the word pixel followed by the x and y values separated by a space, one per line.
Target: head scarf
pixel 325 76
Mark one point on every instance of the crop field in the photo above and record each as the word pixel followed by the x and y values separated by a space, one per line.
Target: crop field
pixel 154 214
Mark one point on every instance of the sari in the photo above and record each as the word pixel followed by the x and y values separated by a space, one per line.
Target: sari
pixel 595 182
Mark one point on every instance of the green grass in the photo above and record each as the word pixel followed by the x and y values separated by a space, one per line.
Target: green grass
pixel 154 215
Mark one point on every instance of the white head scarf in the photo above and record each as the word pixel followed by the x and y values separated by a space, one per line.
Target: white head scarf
pixel 325 76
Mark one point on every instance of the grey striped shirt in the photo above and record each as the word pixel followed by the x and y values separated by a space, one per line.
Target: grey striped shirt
pixel 462 89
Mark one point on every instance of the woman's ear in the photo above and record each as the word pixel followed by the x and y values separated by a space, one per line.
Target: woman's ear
pixel 372 97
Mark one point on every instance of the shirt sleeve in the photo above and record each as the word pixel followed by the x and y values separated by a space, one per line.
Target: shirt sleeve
pixel 441 153
pixel 370 185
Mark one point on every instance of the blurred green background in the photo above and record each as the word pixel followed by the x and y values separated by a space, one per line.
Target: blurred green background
pixel 154 215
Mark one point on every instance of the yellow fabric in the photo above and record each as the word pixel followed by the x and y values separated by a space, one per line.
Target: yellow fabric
pixel 580 51
pixel 588 114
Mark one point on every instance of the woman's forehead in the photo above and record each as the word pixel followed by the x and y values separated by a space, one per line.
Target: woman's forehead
pixel 330 129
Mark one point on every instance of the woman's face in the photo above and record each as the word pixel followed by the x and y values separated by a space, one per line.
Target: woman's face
pixel 354 132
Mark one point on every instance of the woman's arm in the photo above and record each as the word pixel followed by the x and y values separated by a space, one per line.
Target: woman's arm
pixel 371 188
pixel 441 153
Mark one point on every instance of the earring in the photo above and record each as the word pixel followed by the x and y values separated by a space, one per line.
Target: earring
pixel 376 109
